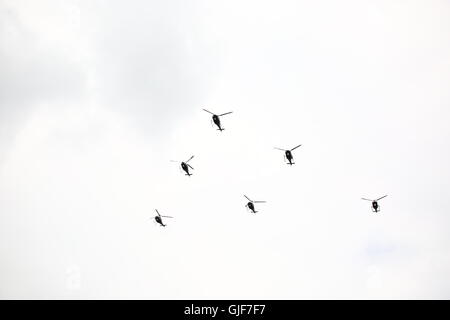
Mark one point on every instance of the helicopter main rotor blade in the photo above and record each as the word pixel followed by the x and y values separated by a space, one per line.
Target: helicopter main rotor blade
pixel 209 112
pixel 382 197
pixel 174 161
pixel 259 202
pixel 157 212
pixel 190 167
pixel 224 114
pixel 279 149
pixel 189 159
pixel 248 198
pixel 295 147
pixel 166 216
pixel 366 199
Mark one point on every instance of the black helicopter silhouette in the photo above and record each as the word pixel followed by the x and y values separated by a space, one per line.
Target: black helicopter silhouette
pixel 375 205
pixel 288 154
pixel 185 166
pixel 159 217
pixel 250 205
pixel 216 118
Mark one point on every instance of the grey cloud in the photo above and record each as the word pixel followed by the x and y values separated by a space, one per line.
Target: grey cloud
pixel 152 62
pixel 31 74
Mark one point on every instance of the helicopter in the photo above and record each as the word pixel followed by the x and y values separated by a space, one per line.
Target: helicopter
pixel 375 206
pixel 185 166
pixel 159 217
pixel 250 205
pixel 288 154
pixel 216 118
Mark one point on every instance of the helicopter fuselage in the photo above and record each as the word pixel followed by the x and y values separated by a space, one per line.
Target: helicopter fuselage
pixel 375 206
pixel 289 156
pixel 159 220
pixel 216 121
pixel 251 206
pixel 185 167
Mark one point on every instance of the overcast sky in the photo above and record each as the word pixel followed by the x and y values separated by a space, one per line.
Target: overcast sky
pixel 96 98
